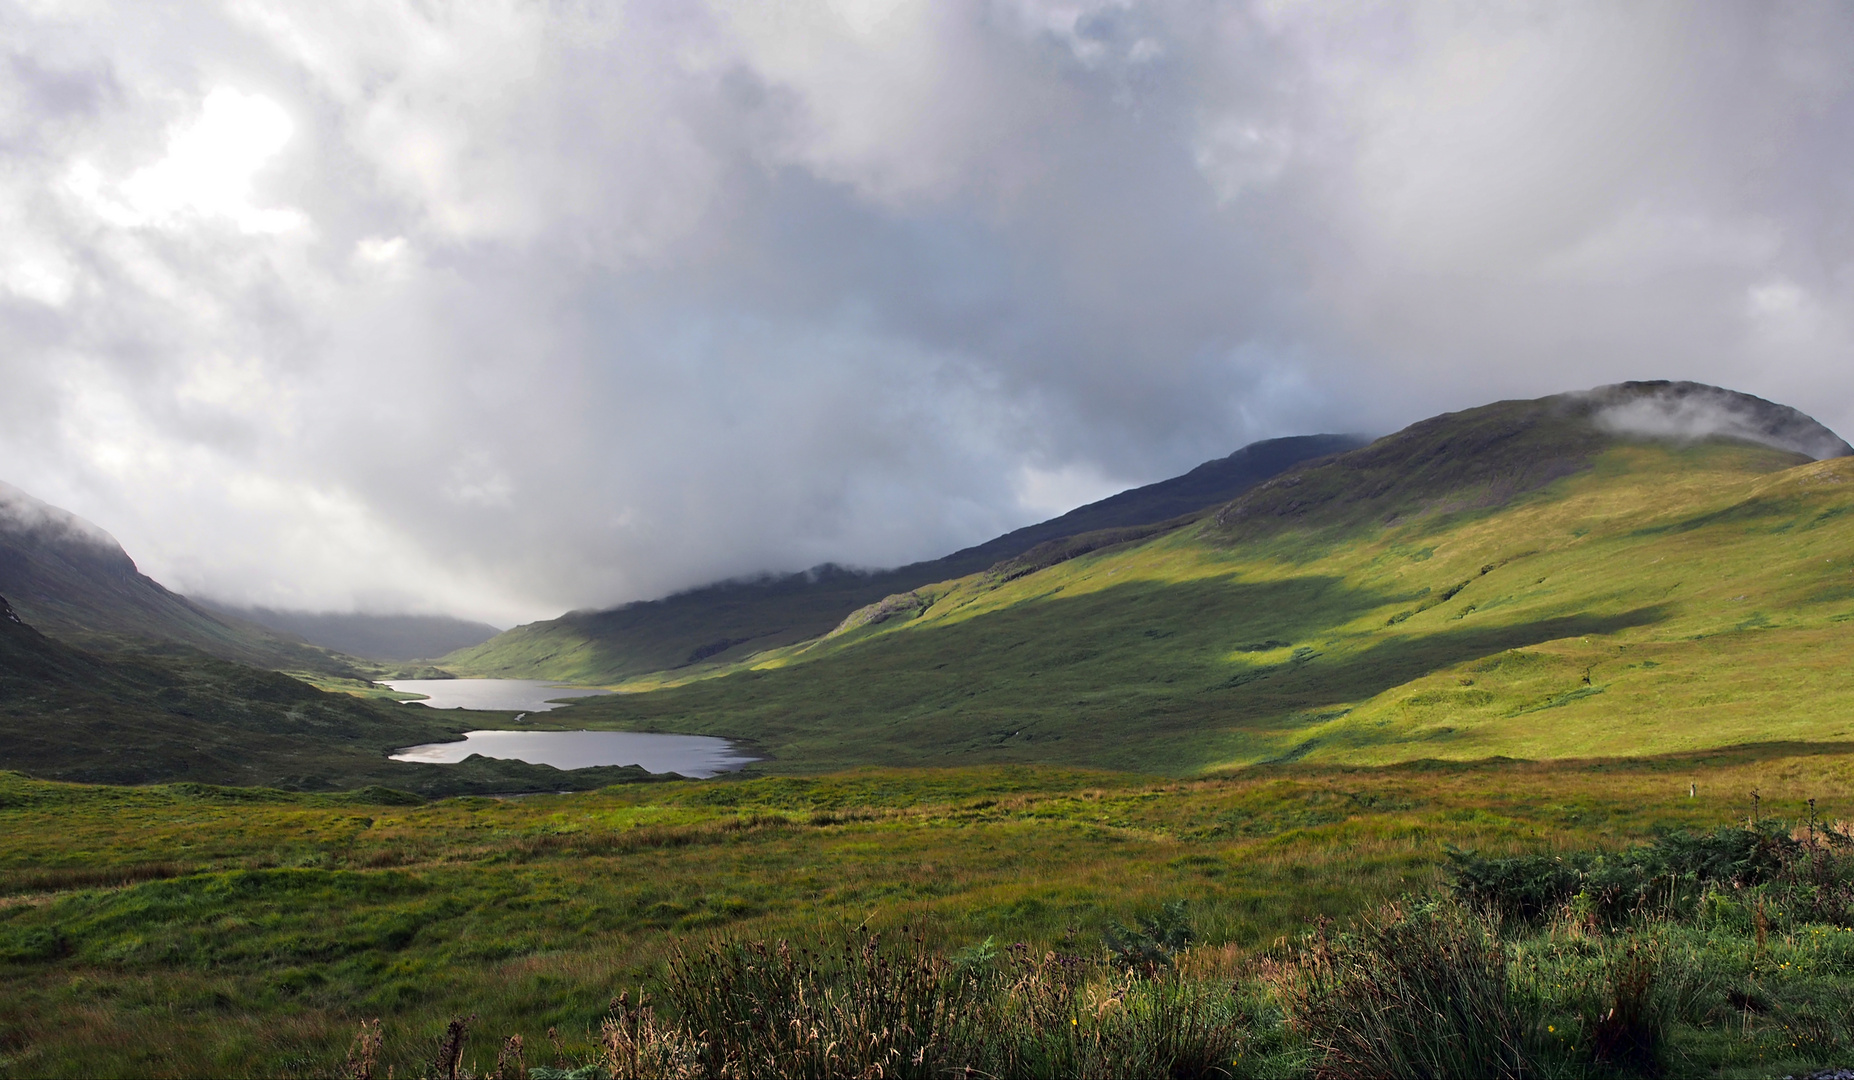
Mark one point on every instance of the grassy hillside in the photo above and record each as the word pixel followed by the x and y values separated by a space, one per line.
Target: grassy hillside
pixel 177 714
pixel 1508 581
pixel 71 580
pixel 728 621
pixel 1486 457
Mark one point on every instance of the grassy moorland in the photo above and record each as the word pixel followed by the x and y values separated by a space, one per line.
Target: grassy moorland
pixel 186 930
pixel 1661 599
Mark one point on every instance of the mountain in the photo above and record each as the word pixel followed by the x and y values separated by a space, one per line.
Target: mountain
pixel 1487 456
pixel 146 717
pixel 71 580
pixel 373 637
pixel 1647 568
pixel 1642 569
pixel 731 620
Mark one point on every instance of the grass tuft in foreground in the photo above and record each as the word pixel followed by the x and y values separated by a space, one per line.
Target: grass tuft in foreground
pixel 1695 954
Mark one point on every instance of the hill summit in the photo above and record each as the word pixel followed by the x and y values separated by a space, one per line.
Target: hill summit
pixel 1487 456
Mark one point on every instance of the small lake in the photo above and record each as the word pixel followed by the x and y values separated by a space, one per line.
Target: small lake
pixel 512 695
pixel 694 756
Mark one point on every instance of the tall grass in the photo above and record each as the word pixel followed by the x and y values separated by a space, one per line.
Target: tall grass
pixel 862 1007
pixel 1413 991
pixel 867 1005
pixel 1480 978
pixel 294 918
pixel 1677 956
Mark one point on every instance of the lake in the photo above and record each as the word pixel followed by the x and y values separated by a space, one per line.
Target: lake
pixel 695 756
pixel 691 755
pixel 512 695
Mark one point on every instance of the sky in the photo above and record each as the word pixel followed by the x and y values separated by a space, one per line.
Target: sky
pixel 499 308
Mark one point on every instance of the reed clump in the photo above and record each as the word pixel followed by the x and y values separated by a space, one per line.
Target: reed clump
pixel 1415 990
pixel 876 1005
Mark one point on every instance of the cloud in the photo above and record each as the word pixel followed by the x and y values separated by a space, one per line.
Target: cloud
pixel 1687 412
pixel 499 308
pixel 205 174
pixel 20 512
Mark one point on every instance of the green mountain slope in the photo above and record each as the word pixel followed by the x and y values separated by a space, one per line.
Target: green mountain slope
pixel 729 621
pixel 71 580
pixel 1529 579
pixel 144 717
pixel 1485 457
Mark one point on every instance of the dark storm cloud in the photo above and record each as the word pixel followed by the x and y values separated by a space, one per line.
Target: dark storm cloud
pixel 501 308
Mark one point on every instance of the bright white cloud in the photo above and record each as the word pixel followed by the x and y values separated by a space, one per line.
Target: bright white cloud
pixel 1051 492
pixel 206 173
pixel 502 308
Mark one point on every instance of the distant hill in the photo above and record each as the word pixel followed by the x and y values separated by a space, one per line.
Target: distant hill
pixel 373 637
pixel 71 580
pixel 729 620
pixel 153 716
pixel 1648 568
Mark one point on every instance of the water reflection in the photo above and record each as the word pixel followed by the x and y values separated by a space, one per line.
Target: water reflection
pixel 690 755
pixel 513 695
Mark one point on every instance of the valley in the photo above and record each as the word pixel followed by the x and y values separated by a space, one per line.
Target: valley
pixel 1361 678
pixel 927 540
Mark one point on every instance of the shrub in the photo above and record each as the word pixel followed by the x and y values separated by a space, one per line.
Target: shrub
pixel 1151 943
pixel 1528 965
pixel 1527 887
pixel 1670 876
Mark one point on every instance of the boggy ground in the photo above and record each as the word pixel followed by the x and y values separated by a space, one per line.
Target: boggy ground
pixel 189 930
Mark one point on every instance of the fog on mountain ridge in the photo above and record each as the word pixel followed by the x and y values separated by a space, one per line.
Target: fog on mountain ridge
pixel 375 636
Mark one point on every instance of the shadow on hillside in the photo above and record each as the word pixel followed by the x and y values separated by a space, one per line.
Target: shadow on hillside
pixel 1099 678
pixel 1404 659
pixel 1679 763
pixel 1766 514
